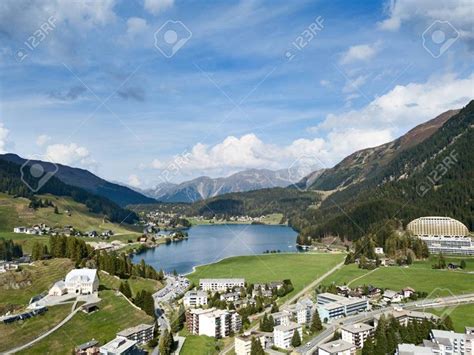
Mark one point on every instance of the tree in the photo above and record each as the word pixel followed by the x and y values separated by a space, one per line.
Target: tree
pixel 56 211
pixel 316 324
pixel 256 347
pixel 463 264
pixel 447 323
pixel 165 344
pixel 296 339
pixel 274 308
pixel 125 289
pixel 369 347
pixel 409 258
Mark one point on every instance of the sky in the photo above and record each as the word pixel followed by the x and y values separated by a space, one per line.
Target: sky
pixel 149 91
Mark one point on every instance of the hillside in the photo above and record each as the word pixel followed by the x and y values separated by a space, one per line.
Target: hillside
pixel 367 163
pixel 205 187
pixel 14 182
pixel 84 179
pixel 431 177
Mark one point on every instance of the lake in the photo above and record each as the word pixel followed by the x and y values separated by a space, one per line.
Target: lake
pixel 211 243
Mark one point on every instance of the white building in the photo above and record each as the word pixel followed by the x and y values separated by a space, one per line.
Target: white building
pixel 82 281
pixel 337 347
pixel 303 311
pixel 443 235
pixel 213 322
pixel 379 250
pixel 243 343
pixel 118 346
pixel 331 306
pixel 220 284
pixel 141 333
pixel 281 318
pixel 392 296
pixel 20 230
pixel 356 334
pixel 58 289
pixel 195 299
pixel 282 334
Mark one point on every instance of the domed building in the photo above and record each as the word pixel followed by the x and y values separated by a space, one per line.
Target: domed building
pixel 443 235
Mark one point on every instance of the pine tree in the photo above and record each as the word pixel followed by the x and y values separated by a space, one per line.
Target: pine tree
pixel 463 264
pixel 256 347
pixel 369 348
pixel 165 344
pixel 316 324
pixel 296 339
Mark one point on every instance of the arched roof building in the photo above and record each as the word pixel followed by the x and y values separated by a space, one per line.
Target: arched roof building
pixel 437 226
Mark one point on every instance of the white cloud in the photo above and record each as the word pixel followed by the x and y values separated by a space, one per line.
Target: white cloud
pixel 3 138
pixel 361 52
pixel 406 106
pixel 325 83
pixel 134 181
pixel 42 140
pixel 157 6
pixel 354 84
pixel 458 12
pixel 136 25
pixel 71 154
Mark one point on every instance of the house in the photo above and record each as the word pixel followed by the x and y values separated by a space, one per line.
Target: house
pixel 195 299
pixel 282 334
pixel 392 296
pixel 378 251
pixel 89 348
pixel 356 334
pixel 141 333
pixel 19 230
pixel 337 347
pixel 120 346
pixel 82 281
pixel 58 289
pixel 230 297
pixel 92 234
pixel 8 266
pixel 407 292
pixel 243 343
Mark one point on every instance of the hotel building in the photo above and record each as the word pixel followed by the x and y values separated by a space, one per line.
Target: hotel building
pixel 220 284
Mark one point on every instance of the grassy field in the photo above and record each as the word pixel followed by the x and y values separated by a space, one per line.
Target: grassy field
pixel 197 345
pixel 300 268
pixel 19 333
pixel 16 288
pixel 462 316
pixel 136 283
pixel 15 212
pixel 114 314
pixel 419 276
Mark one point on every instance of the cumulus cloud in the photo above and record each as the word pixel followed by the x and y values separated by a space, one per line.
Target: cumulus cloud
pixel 134 181
pixel 42 140
pixel 3 138
pixel 157 6
pixel 71 154
pixel 407 105
pixel 458 12
pixel 358 53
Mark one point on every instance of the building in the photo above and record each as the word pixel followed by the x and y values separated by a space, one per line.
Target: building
pixel 220 284
pixel 120 346
pixel 195 299
pixel 89 348
pixel 378 250
pixel 443 235
pixel 19 230
pixel 243 343
pixel 82 281
pixel 404 316
pixel 141 333
pixel 282 334
pixel 442 342
pixel 337 347
pixel 304 311
pixel 392 296
pixel 281 318
pixel 356 334
pixel 332 306
pixel 58 289
pixel 213 322
pixel 8 266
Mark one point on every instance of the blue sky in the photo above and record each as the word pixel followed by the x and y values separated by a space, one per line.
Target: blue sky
pixel 95 92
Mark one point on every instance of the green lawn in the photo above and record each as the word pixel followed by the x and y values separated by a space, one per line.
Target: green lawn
pixel 462 316
pixel 419 276
pixel 301 269
pixel 136 283
pixel 114 314
pixel 21 332
pixel 16 288
pixel 199 345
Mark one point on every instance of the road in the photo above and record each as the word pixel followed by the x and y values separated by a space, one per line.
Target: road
pixel 301 293
pixel 328 332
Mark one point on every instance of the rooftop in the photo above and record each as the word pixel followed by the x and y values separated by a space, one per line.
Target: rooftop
pixel 222 280
pixel 356 328
pixel 85 275
pixel 291 326
pixel 336 346
pixel 130 331
pixel 118 345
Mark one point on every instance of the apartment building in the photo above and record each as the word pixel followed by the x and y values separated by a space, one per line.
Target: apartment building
pixel 281 318
pixel 356 334
pixel 243 343
pixel 213 322
pixel 331 306
pixel 304 311
pixel 220 284
pixel 141 333
pixel 195 299
pixel 282 334
pixel 337 347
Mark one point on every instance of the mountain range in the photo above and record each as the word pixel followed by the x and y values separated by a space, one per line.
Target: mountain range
pixel 204 187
